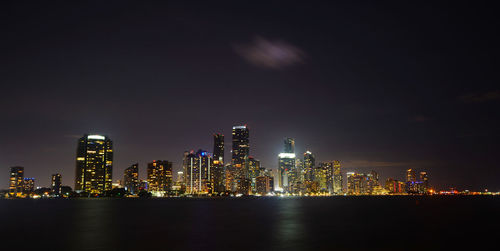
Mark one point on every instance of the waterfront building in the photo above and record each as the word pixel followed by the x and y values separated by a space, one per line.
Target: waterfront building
pixel 198 172
pixel 240 150
pixel 159 176
pixel 356 183
pixel 325 175
pixel 372 181
pixel 131 179
pixel 263 185
pixel 16 181
pixel 310 172
pixel 28 186
pixel 286 170
pixel 411 181
pixel 218 165
pixel 94 164
pixel 55 184
pixel 394 186
pixel 424 182
pixel 337 178
pixel 253 171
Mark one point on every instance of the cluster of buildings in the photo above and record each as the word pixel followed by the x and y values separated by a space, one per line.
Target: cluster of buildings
pixel 208 173
pixel 22 187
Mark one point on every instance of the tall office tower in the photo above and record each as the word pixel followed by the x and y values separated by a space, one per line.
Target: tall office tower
pixel 218 164
pixel 299 165
pixel 131 179
pixel 198 173
pixel 326 174
pixel 263 185
pixel 230 176
pixel 289 145
pixel 309 167
pixel 55 184
pixel 94 164
pixel 159 177
pixel 372 181
pixel 337 178
pixel 240 147
pixel 28 186
pixel 253 171
pixel 424 182
pixel 287 176
pixel 356 183
pixel 391 185
pixel 411 181
pixel 16 181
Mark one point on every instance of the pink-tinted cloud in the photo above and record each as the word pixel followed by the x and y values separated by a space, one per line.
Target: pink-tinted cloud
pixel 270 54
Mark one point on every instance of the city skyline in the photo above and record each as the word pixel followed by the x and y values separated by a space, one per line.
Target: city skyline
pixel 286 175
pixel 379 86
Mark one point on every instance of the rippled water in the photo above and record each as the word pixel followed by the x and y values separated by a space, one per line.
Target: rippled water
pixel 331 223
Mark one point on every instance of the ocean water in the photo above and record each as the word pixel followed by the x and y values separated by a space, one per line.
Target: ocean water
pixel 321 223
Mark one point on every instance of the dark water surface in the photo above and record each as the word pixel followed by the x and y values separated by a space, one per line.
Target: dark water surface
pixel 330 223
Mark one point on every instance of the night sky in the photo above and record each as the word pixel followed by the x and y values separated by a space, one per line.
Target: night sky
pixel 385 86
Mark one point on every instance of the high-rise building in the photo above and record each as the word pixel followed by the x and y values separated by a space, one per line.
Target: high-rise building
pixel 325 171
pixel 356 183
pixel 263 185
pixel 159 177
pixel 289 145
pixel 28 186
pixel 253 171
pixel 240 147
pixel 411 181
pixel 198 172
pixel 94 164
pixel 309 167
pixel 55 184
pixel 394 186
pixel 218 164
pixel 424 183
pixel 286 165
pixel 337 178
pixel 16 181
pixel 131 179
pixel 372 181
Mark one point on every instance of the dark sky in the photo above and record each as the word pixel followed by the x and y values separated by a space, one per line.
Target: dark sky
pixel 384 86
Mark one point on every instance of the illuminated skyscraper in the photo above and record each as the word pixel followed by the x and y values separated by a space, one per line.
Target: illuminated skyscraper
pixel 240 147
pixel 253 171
pixel 55 184
pixel 372 181
pixel 198 172
pixel 394 186
pixel 356 183
pixel 218 164
pixel 159 177
pixel 28 186
pixel 337 178
pixel 287 176
pixel 326 176
pixel 94 164
pixel 131 179
pixel 424 182
pixel 16 181
pixel 309 166
pixel 411 181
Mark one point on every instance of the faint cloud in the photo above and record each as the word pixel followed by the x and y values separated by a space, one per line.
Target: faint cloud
pixel 270 54
pixel 480 97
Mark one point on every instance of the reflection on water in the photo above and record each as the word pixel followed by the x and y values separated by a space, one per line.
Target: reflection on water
pixel 93 225
pixel 288 223
pixel 336 223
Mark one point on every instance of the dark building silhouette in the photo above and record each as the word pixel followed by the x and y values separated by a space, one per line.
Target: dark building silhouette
pixel 55 184
pixel 131 179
